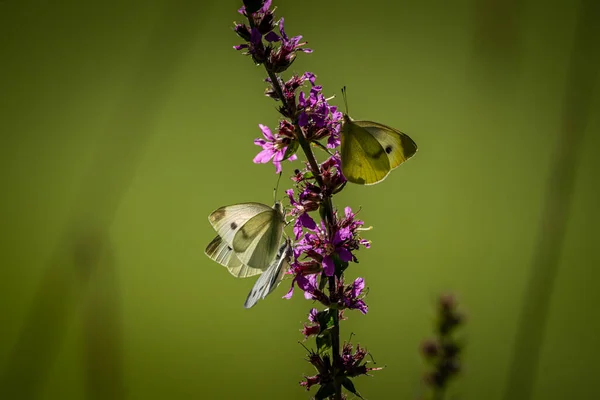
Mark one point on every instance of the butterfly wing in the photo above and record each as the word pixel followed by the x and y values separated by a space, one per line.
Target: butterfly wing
pixel 228 220
pixel 256 242
pixel 272 277
pixel 370 150
pixel 363 159
pixel 398 146
pixel 223 253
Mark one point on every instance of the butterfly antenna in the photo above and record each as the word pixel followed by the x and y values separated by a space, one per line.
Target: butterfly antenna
pixel 345 96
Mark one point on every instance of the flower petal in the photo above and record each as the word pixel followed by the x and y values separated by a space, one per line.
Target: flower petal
pixel 266 132
pixel 328 266
pixel 345 254
pixel 272 37
pixel 264 156
pixel 358 286
pixel 260 142
pixel 298 229
pixel 307 221
pixel 290 292
pixel 303 119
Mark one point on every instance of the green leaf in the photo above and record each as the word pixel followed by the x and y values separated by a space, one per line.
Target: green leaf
pixel 323 341
pixel 322 213
pixel 340 266
pixel 291 150
pixel 349 385
pixel 308 175
pixel 322 282
pixel 326 322
pixel 325 319
pixel 325 391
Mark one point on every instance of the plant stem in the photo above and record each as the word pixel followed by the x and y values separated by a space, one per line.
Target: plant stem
pixel 329 217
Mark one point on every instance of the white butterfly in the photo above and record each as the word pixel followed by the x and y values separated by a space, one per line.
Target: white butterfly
pixel 247 243
pixel 272 277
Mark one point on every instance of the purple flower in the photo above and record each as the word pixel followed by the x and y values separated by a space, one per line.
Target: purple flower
pixel 274 147
pixel 309 200
pixel 324 368
pixel 323 248
pixel 335 246
pixel 331 174
pixel 352 296
pixel 284 56
pixel 255 45
pixel 314 328
pixel 317 117
pixel 261 16
pixel 306 283
pixel 353 361
pixel 263 9
pixel 289 88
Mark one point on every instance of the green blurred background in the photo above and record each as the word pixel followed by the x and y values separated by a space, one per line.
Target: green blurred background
pixel 125 123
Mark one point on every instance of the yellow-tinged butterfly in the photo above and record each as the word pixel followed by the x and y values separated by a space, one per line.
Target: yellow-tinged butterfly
pixel 370 151
pixel 247 243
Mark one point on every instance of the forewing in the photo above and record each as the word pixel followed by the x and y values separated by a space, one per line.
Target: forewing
pixel 272 277
pixel 228 220
pixel 398 146
pixel 256 243
pixel 364 160
pixel 223 253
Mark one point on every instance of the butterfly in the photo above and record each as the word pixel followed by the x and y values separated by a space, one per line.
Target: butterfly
pixel 272 277
pixel 248 243
pixel 370 151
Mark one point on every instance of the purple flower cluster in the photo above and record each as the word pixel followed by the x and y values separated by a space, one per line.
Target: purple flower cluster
pixel 323 245
pixel 322 249
pixel 443 351
pixel 352 365
pixel 316 119
pixel 260 30
pixel 342 297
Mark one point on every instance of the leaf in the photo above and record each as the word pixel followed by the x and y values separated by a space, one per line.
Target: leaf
pixel 340 266
pixel 291 150
pixel 323 280
pixel 349 385
pixel 308 175
pixel 323 341
pixel 325 391
pixel 325 319
pixel 323 213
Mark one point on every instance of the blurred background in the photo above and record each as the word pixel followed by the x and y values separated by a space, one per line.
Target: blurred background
pixel 125 123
